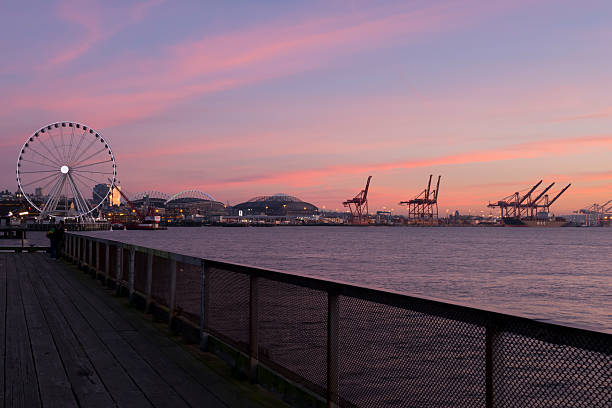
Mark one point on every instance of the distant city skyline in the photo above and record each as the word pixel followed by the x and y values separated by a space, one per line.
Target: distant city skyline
pixel 246 99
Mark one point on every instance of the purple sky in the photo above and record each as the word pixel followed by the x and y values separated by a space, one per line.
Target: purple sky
pixel 245 98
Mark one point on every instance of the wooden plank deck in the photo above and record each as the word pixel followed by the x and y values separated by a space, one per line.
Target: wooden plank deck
pixel 67 344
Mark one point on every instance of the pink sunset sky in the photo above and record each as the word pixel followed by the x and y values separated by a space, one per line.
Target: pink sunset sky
pixel 244 98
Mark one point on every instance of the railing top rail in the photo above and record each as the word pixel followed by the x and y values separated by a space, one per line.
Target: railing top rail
pixel 553 332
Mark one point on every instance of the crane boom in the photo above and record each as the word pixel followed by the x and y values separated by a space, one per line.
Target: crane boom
pixel 542 193
pixel 603 206
pixel 437 188
pixel 132 206
pixel 560 192
pixel 530 191
pixel 365 191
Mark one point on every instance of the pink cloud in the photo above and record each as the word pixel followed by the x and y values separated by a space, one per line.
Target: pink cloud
pixel 174 149
pixel 86 17
pixel 475 196
pixel 139 11
pixel 212 64
pixel 342 34
pixel 605 113
pixel 13 142
pixel 518 151
pixel 604 191
pixel 96 23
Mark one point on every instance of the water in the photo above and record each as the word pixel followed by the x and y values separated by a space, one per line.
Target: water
pixel 562 275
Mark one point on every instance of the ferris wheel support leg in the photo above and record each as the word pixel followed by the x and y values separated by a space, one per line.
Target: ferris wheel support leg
pixel 45 210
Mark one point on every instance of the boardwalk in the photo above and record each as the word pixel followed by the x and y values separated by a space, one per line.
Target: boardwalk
pixel 67 343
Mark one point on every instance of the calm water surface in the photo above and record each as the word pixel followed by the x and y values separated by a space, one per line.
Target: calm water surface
pixel 553 274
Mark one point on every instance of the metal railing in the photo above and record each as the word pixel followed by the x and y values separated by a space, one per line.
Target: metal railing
pixel 349 345
pixel 68 226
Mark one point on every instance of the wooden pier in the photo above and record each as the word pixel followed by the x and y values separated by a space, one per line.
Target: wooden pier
pixel 67 342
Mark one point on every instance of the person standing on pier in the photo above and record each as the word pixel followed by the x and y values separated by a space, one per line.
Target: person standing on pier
pixel 59 239
pixel 56 240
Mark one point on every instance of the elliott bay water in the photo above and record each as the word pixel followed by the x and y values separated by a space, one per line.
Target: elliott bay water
pixel 563 275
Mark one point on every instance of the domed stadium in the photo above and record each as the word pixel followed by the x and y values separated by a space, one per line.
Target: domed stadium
pixel 276 205
pixel 194 201
pixel 154 199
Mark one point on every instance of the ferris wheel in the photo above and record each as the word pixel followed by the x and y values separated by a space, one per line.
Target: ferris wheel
pixel 63 164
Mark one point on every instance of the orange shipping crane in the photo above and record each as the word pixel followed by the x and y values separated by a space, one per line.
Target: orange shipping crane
pixel 358 205
pixel 424 207
pixel 546 206
pixel 515 206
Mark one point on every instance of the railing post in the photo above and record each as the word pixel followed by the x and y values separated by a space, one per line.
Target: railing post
pixel 106 263
pixel 119 270
pixel 131 273
pixel 149 286
pixel 489 339
pixel 82 251
pixel 82 248
pixel 90 256
pixel 172 288
pixel 84 256
pixel 204 305
pixel 253 328
pixel 333 312
pixel 78 250
pixel 97 259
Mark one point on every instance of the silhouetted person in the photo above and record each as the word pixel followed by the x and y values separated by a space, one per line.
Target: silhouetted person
pixel 59 237
pixel 56 240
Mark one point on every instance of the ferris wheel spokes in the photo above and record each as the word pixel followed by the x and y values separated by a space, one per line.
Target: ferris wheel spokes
pixel 79 153
pixel 70 163
pixel 88 157
pixel 39 180
pixel 54 193
pixel 53 155
pixel 91 164
pixel 45 157
pixel 39 163
pixel 80 202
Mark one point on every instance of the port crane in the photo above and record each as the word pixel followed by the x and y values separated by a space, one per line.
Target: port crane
pixel 358 205
pixel 424 206
pixel 528 198
pixel 532 208
pixel 520 207
pixel 596 212
pixel 546 206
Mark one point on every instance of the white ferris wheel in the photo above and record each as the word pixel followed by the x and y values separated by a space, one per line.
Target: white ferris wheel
pixel 64 170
